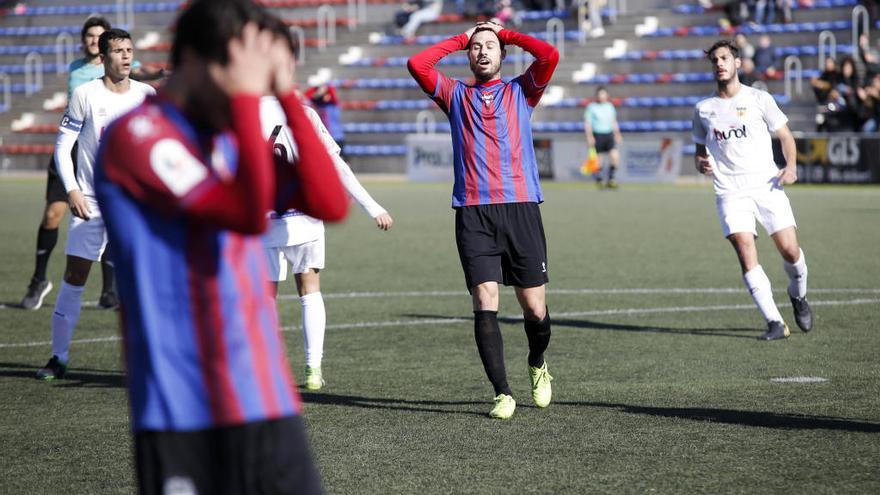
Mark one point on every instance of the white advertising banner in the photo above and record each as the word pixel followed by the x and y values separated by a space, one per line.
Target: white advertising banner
pixel 429 157
pixel 644 159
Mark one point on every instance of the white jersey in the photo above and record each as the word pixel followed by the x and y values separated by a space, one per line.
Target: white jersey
pixel 91 109
pixel 294 227
pixel 736 133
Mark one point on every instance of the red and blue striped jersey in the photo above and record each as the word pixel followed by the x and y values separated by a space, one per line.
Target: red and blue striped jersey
pixel 494 157
pixel 184 212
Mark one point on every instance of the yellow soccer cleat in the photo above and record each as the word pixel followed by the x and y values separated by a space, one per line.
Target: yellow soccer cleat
pixel 504 407
pixel 541 389
pixel 314 380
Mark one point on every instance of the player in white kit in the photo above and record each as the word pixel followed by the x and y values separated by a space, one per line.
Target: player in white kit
pixel 298 240
pixel 93 106
pixel 732 131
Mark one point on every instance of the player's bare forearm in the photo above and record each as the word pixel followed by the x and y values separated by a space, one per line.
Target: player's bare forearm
pixel 546 55
pixel 421 65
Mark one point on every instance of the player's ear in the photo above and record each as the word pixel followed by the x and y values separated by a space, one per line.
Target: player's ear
pixel 503 53
pixel 737 62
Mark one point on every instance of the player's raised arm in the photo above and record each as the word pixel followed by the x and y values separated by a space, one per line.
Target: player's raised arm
pixel 421 65
pixel 538 75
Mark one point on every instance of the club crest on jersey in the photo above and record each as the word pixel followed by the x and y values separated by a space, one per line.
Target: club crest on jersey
pixel 732 133
pixel 741 111
pixel 487 98
pixel 102 112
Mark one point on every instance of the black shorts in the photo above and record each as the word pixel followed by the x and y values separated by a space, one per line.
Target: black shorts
pixel 502 243
pixel 604 142
pixel 54 187
pixel 261 457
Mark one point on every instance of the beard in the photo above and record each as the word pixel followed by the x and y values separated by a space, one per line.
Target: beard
pixel 485 72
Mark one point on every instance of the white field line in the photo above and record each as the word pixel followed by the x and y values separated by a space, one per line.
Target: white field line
pixel 558 292
pixel 443 321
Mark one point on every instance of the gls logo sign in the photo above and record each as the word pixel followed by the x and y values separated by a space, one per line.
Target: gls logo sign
pixel 738 133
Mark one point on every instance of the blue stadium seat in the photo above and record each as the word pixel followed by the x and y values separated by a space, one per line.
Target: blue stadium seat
pixel 105 8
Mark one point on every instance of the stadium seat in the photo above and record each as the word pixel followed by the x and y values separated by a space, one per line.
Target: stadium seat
pixel 104 8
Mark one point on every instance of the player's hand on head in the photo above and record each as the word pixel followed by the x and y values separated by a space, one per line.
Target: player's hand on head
pixel 284 67
pixel 78 205
pixel 470 32
pixel 384 221
pixel 248 70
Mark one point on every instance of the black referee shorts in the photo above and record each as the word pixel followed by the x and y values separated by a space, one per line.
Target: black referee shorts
pixel 604 142
pixel 54 187
pixel 502 243
pixel 264 457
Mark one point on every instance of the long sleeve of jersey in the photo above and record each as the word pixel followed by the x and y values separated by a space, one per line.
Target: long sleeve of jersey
pixel 421 65
pixel 318 192
pixel 356 189
pixel 539 73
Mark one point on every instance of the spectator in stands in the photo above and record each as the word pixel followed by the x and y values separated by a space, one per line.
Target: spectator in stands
pixel 429 12
pixel 764 12
pixel 323 98
pixel 747 73
pixel 746 49
pixel 505 13
pixel 870 98
pixel 736 12
pixel 765 57
pixel 826 81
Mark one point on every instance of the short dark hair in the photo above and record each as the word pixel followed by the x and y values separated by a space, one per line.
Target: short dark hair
pixel 206 27
pixel 729 44
pixel 601 88
pixel 92 22
pixel 109 35
pixel 500 42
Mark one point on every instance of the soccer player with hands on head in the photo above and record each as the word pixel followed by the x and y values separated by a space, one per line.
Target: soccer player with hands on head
pixel 732 131
pixel 185 181
pixel 496 192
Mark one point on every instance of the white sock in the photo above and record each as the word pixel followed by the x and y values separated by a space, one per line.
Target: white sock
pixel 797 276
pixel 314 319
pixel 759 286
pixel 67 308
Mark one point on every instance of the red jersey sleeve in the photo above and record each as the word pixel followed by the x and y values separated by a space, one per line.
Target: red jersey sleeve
pixel 433 82
pixel 158 164
pixel 536 77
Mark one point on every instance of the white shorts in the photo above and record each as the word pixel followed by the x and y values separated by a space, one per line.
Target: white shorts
pixel 86 239
pixel 300 257
pixel 739 211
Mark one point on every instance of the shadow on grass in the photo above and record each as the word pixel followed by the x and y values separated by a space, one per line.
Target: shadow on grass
pixel 736 333
pixel 762 419
pixel 75 378
pixel 429 406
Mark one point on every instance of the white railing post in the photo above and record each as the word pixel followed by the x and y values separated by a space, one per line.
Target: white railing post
pixel 615 7
pixel 33 73
pixel 582 14
pixel 556 35
pixel 300 43
pixel 357 13
pixel 426 123
pixel 794 69
pixel 859 12
pixel 125 14
pixel 63 52
pixel 326 27
pixel 827 38
pixel 7 91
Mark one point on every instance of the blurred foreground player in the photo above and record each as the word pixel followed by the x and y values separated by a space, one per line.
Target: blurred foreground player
pixel 186 181
pixel 732 134
pixel 498 226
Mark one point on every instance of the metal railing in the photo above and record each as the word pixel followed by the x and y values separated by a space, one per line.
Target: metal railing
pixel 300 35
pixel 827 38
pixel 64 44
pixel 125 13
pixel 33 73
pixel 357 13
pixel 426 122
pixel 616 7
pixel 556 35
pixel 7 91
pixel 860 13
pixel 794 70
pixel 326 27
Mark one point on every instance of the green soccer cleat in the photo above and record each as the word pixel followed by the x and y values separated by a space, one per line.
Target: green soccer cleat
pixel 541 390
pixel 314 379
pixel 504 407
pixel 54 370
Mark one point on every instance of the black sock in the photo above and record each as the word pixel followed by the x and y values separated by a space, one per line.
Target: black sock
pixel 108 278
pixel 538 333
pixel 611 171
pixel 46 240
pixel 491 348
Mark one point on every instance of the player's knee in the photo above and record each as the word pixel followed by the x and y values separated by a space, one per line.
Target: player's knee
pixel 52 217
pixel 76 277
pixel 535 312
